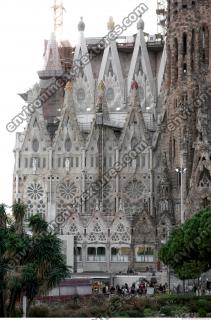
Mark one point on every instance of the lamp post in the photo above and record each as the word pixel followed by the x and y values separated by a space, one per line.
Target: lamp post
pixel 181 171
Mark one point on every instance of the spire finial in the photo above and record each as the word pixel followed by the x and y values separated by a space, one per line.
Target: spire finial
pixel 111 24
pixel 58 9
pixel 81 25
pixel 140 24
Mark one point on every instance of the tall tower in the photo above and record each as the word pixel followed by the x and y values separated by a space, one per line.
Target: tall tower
pixel 186 123
pixel 58 19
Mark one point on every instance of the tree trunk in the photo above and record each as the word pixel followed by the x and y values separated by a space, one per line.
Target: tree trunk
pixel 12 302
pixel 2 305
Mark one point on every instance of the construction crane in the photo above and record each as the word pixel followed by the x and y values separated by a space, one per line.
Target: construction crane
pixel 162 16
pixel 58 10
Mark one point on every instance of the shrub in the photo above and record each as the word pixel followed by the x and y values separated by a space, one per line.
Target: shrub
pixel 181 311
pixel 41 311
pixel 121 314
pixel 167 310
pixel 202 313
pixel 148 313
pixel 135 314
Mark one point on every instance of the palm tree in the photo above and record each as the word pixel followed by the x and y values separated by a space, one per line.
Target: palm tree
pixel 19 211
pixel 37 224
pixel 29 265
pixel 3 216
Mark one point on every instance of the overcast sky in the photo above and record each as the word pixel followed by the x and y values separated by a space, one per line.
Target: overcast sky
pixel 24 25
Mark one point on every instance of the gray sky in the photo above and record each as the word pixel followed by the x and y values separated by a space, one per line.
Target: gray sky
pixel 24 25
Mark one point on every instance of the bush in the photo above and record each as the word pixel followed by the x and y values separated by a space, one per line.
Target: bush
pixel 41 311
pixel 148 313
pixel 204 304
pixel 181 311
pixel 202 313
pixel 135 314
pixel 167 310
pixel 121 314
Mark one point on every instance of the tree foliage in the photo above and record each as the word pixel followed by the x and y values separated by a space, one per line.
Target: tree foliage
pixel 188 250
pixel 29 264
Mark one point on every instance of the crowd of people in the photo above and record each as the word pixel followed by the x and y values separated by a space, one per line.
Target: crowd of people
pixel 140 288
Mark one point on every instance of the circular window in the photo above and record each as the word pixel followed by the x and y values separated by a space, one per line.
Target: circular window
pixel 67 190
pixel 35 191
pixel 110 94
pixel 134 190
pixel 35 145
pixel 81 95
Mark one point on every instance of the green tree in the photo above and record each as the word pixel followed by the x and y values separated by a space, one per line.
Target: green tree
pixel 188 250
pixel 29 264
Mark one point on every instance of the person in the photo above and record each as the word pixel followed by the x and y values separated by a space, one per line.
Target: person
pixel 104 290
pixel 112 290
pixel 133 289
pixel 160 288
pixel 127 287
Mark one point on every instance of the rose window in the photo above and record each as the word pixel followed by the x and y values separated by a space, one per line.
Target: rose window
pixel 134 190
pixel 35 191
pixel 67 190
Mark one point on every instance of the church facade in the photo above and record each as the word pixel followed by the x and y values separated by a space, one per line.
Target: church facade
pixel 120 115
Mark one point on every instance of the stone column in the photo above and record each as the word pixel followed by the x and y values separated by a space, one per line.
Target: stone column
pixel 197 51
pixel 117 182
pixel 189 55
pixel 83 168
pixel 209 50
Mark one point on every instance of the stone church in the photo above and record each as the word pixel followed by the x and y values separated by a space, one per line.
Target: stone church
pixel 145 88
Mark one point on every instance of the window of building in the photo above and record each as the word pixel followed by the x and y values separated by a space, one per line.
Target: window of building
pixel 120 254
pixel 77 162
pixel 59 162
pixel 144 254
pixel 143 161
pixel 35 145
pixel 184 44
pixel 44 163
pixel 78 253
pixel 26 163
pixel 96 254
pixel 71 162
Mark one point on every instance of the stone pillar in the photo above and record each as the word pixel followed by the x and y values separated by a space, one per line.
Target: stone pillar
pixel 189 55
pixel 117 182
pixel 151 183
pixel 209 28
pixel 197 51
pixel 83 167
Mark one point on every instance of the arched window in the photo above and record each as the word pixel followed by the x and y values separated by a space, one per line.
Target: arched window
pixel 193 50
pixel 184 44
pixel 68 144
pixel 35 145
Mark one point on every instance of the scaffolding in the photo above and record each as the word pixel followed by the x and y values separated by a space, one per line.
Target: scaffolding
pixel 162 16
